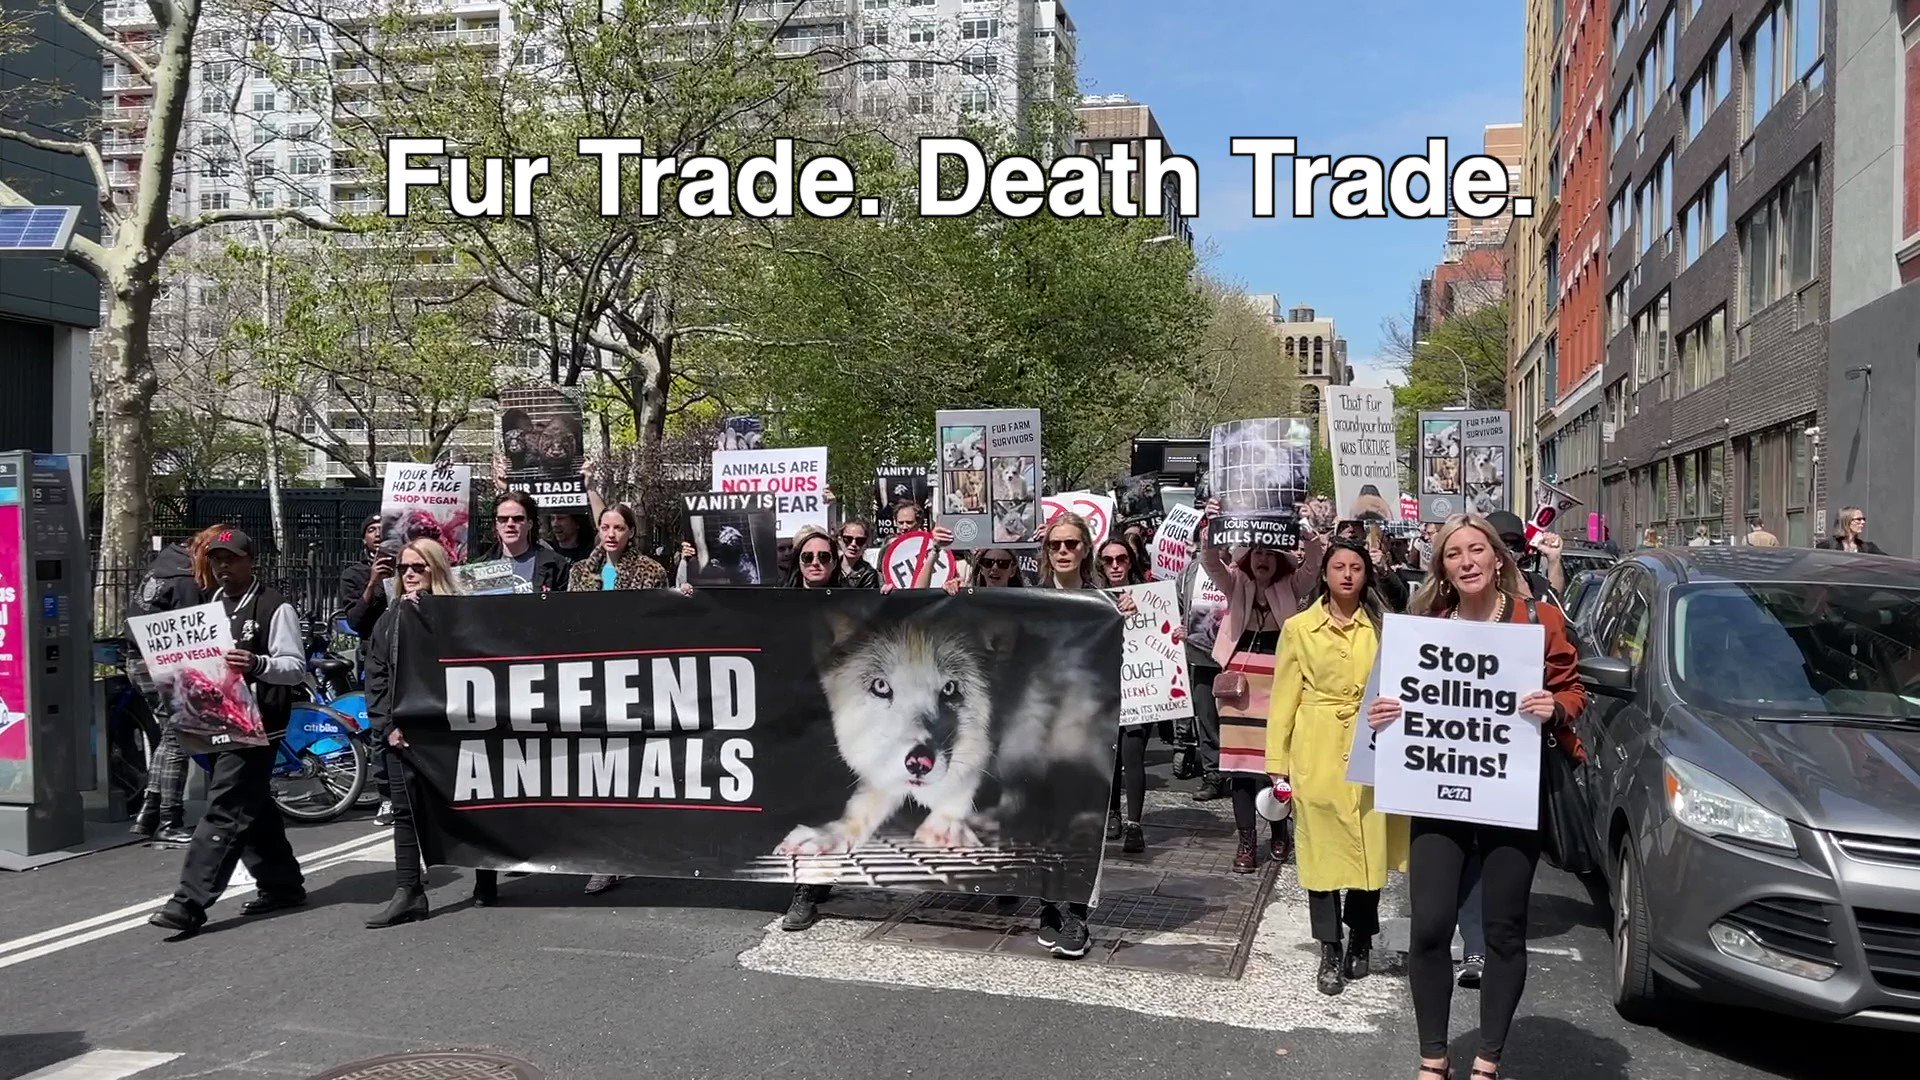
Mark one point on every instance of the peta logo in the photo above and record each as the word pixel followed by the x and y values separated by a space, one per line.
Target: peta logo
pixel 220 740
pixel 1454 793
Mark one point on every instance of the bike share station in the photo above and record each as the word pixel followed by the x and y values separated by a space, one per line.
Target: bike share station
pixel 55 799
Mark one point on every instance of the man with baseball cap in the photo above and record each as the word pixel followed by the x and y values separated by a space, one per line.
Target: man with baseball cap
pixel 1513 533
pixel 242 823
pixel 363 589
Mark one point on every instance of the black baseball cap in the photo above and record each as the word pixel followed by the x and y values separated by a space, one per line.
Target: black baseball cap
pixel 1507 523
pixel 232 540
pixel 372 519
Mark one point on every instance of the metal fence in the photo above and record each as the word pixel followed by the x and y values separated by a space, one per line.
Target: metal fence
pixel 310 585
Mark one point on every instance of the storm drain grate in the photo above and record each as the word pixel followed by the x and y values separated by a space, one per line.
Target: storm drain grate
pixel 437 1065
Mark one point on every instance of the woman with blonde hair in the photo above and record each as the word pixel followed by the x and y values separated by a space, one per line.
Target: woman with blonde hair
pixel 425 570
pixel 1475 579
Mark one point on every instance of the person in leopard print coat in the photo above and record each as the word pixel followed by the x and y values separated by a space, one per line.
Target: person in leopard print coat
pixel 618 552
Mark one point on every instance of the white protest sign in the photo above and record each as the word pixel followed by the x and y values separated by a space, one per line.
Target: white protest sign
pixel 798 477
pixel 1206 610
pixel 1097 509
pixel 186 654
pixel 427 502
pixel 1366 464
pixel 1461 750
pixel 1360 759
pixel 988 477
pixel 1173 542
pixel 900 562
pixel 1153 667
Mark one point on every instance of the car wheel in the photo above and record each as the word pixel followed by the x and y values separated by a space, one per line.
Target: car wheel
pixel 1635 993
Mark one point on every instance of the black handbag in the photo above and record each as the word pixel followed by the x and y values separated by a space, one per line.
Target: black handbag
pixel 1566 813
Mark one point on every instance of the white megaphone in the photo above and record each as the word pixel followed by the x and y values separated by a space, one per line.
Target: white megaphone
pixel 1275 801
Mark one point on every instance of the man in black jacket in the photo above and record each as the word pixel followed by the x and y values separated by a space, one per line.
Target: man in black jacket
pixel 242 822
pixel 516 522
pixel 169 586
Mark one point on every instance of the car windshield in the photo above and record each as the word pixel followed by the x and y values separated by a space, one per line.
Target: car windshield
pixel 1798 649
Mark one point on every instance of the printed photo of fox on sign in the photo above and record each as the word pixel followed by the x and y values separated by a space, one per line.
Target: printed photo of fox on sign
pixel 186 654
pixel 1462 750
pixel 906 740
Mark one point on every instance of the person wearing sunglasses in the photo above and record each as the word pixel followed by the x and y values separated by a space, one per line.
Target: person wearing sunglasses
pixel 516 525
pixel 987 568
pixel 425 570
pixel 1117 570
pixel 855 534
pixel 817 565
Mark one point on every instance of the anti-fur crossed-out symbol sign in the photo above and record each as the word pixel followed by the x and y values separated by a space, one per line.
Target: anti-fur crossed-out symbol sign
pixel 1098 513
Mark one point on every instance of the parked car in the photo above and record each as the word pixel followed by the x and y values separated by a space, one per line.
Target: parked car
pixel 1578 558
pixel 1581 589
pixel 1754 774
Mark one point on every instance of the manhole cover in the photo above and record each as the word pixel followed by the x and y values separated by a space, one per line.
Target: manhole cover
pixel 436 1065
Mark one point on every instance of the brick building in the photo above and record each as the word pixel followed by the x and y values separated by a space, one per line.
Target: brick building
pixel 1533 251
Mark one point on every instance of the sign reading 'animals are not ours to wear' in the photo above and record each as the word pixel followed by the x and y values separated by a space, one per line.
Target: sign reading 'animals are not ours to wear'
pixel 798 477
pixel 908 740
pixel 1461 750
pixel 989 461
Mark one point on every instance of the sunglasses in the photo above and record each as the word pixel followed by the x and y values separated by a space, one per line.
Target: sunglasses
pixel 509 519
pixel 413 568
pixel 1116 560
pixel 1063 545
pixel 817 558
pixel 996 564
pixel 846 539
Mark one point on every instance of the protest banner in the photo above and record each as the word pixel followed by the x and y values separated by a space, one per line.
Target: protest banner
pixel 543 439
pixel 989 476
pixel 901 559
pixel 1206 610
pixel 186 655
pixel 1366 464
pixel 1463 462
pixel 1138 499
pixel 733 539
pixel 1461 749
pixel 1360 758
pixel 1096 509
pixel 798 477
pixel 774 735
pixel 893 485
pixel 1153 671
pixel 1173 546
pixel 742 433
pixel 427 502
pixel 1409 506
pixel 1258 470
pixel 490 578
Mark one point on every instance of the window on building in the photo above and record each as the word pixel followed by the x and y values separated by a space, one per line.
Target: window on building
pixel 307 165
pixel 1553 176
pixel 1620 29
pixel 1550 277
pixel 1619 215
pixel 213 200
pixel 1779 239
pixel 1798 484
pixel 1616 311
pixel 1704 220
pixel 979 29
pixel 1555 92
pixel 219 72
pixel 977 101
pixel 1709 88
pixel 873 73
pixel 1655 210
pixel 1652 347
pixel 980 63
pixel 920 70
pixel 1787 47
pixel 260 169
pixel 1703 352
pixel 919 104
pixel 875 5
pixel 265 101
pixel 266 198
pixel 921 34
pixel 875 35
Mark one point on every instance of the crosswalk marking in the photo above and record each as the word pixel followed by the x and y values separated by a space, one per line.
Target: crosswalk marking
pixel 101 1065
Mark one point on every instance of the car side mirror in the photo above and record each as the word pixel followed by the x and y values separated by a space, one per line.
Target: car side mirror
pixel 1607 675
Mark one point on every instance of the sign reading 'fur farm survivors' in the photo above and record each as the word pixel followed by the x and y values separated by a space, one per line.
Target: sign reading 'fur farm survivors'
pixel 911 739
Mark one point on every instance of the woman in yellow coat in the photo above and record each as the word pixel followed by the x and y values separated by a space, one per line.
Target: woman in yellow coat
pixel 1342 844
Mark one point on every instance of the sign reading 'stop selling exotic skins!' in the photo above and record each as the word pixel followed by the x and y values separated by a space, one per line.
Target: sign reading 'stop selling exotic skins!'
pixel 1461 750
pixel 989 476
pixel 186 654
pixel 427 502
pixel 798 477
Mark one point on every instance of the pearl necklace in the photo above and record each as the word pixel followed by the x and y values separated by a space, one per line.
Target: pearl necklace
pixel 1499 610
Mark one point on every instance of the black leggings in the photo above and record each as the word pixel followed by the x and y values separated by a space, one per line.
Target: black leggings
pixel 408 865
pixel 1434 868
pixel 1130 770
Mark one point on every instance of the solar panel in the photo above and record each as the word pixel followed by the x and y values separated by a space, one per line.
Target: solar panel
pixel 36 230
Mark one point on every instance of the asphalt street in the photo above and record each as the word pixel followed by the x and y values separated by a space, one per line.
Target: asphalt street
pixel 690 980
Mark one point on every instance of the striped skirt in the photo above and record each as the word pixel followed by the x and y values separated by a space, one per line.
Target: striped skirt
pixel 1243 728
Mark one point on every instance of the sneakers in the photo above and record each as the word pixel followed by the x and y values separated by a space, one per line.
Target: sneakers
pixel 173 834
pixel 1063 933
pixel 1113 827
pixel 384 815
pixel 804 909
pixel 1133 839
pixel 1471 970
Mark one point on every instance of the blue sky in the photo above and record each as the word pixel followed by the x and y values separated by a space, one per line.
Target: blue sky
pixel 1342 76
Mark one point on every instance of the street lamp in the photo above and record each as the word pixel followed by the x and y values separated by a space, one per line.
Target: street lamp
pixel 1466 383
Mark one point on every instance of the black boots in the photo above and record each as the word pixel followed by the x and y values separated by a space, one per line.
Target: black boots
pixel 1280 844
pixel 145 823
pixel 1331 978
pixel 1133 839
pixel 1212 786
pixel 1359 957
pixel 1113 825
pixel 407 905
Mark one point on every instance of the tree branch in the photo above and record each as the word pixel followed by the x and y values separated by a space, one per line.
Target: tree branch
pixel 105 41
pixel 79 148
pixel 187 228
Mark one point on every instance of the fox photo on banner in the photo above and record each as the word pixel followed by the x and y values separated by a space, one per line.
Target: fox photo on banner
pixel 1137 501
pixel 1366 461
pixel 908 740
pixel 1258 470
pixel 544 440
pixel 1463 462
pixel 427 502
pixel 989 476
pixel 186 654
pixel 733 537
pixel 896 484
pixel 741 433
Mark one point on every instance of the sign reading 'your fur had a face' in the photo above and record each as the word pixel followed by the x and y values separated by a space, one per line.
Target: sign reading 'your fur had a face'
pixel 911 739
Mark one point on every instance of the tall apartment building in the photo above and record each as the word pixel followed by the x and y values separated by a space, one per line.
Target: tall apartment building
pixel 47 308
pixel 1508 143
pixel 1315 344
pixel 1114 120
pixel 1533 252
pixel 1873 373
pixel 1719 215
pixel 1472 270
pixel 931 66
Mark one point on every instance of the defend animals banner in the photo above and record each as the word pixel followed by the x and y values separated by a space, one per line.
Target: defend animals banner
pixel 908 740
